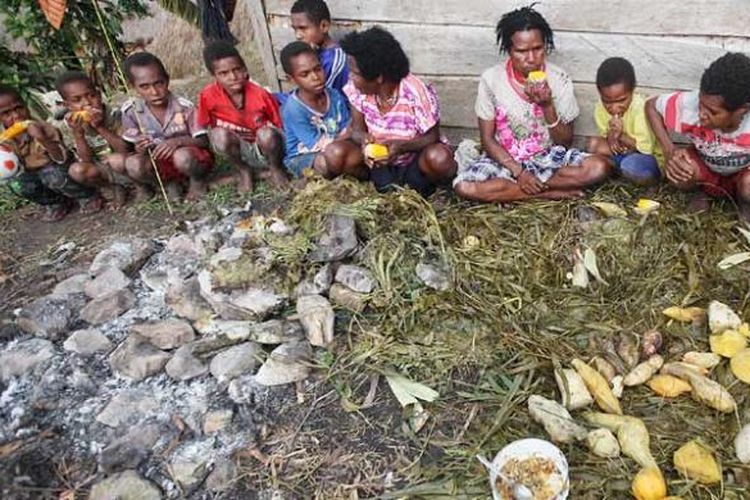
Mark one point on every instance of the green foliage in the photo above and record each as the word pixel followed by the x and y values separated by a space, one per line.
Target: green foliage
pixel 184 9
pixel 79 44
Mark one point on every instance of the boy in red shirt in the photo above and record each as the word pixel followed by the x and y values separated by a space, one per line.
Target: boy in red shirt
pixel 244 118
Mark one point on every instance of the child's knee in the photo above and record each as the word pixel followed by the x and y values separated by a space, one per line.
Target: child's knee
pixel 222 140
pixel 268 139
pixel 184 160
pixel 597 167
pixel 136 167
pixel 84 173
pixel 436 161
pixel 743 187
pixel 116 161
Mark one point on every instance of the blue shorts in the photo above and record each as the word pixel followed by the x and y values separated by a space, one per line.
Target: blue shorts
pixel 296 164
pixel 638 167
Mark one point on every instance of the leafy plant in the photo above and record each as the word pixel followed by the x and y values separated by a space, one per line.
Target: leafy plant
pixel 79 44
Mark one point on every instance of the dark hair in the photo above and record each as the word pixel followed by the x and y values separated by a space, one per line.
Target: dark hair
pixel 316 10
pixel 219 49
pixel 11 91
pixel 615 70
pixel 293 50
pixel 523 19
pixel 141 60
pixel 377 53
pixel 69 77
pixel 729 77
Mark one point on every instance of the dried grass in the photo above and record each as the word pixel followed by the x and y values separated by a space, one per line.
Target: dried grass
pixel 491 341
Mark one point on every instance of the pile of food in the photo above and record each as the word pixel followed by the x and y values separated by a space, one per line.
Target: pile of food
pixel 539 474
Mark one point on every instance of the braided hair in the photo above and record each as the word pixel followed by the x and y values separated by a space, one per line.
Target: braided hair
pixel 523 19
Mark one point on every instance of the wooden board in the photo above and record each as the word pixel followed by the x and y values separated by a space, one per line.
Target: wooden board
pixel 665 17
pixel 660 62
pixel 263 37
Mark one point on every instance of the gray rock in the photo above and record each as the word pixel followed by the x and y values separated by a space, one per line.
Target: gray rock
pixel 166 334
pixel 137 359
pixel 81 381
pixel 25 356
pixel 127 255
pixel 317 318
pixel 191 463
pixel 72 285
pixel 109 281
pixel 252 303
pixel 49 316
pixel 319 284
pixel 130 450
pixel 127 407
pixel 184 365
pixel 433 277
pixel 286 364
pixel 337 242
pixel 346 297
pixel 87 342
pixel 217 420
pixel 242 389
pixel 184 299
pixel 222 476
pixel 235 361
pixel 357 278
pixel 126 485
pixel 268 332
pixel 109 307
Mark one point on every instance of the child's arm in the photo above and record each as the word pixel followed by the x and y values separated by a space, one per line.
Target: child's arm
pixel 678 165
pixel 99 124
pixel 49 141
pixel 77 127
pixel 167 148
pixel 526 180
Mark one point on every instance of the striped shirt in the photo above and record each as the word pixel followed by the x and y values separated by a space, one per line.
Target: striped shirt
pixel 415 112
pixel 333 60
pixel 725 153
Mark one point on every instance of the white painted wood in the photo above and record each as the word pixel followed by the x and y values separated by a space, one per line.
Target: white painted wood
pixel 661 62
pixel 657 17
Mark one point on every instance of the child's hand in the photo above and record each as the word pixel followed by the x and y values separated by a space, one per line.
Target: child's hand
pixel 75 122
pixel 529 183
pixel 395 149
pixel 616 126
pixel 680 166
pixel 164 150
pixel 142 144
pixel 36 131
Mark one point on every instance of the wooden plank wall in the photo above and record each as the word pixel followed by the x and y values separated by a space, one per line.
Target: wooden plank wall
pixel 450 42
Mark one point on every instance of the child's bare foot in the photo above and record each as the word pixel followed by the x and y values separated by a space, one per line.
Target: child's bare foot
pixel 278 178
pixel 119 197
pixel 196 190
pixel 566 194
pixel 744 213
pixel 91 205
pixel 700 202
pixel 55 213
pixel 244 181
pixel 142 193
pixel 224 180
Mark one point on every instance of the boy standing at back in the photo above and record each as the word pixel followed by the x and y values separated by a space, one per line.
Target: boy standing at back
pixel 244 118
pixel 162 125
pixel 311 21
pixel 716 119
pixel 625 134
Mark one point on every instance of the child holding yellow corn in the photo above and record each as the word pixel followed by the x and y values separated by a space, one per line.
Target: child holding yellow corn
pixel 38 145
pixel 92 131
pixel 625 134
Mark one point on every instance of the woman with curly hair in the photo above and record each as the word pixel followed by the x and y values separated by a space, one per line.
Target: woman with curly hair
pixel 526 108
pixel 393 108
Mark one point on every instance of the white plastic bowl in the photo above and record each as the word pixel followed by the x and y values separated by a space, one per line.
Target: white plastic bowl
pixel 528 448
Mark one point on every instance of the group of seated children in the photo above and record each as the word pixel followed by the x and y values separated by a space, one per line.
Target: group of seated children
pixel 356 109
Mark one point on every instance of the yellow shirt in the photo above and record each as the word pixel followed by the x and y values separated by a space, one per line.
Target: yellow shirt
pixel 635 124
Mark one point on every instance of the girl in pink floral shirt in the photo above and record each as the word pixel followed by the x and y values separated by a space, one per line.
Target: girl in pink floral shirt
pixel 392 107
